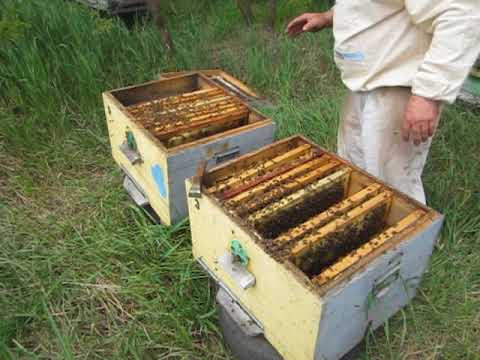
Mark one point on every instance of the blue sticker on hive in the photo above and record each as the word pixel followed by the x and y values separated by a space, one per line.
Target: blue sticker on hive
pixel 159 177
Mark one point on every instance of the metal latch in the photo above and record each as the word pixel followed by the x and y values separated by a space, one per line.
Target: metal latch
pixel 231 303
pixel 235 263
pixel 129 149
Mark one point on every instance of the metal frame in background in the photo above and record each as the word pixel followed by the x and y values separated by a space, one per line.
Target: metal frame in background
pixel 471 88
pixel 115 7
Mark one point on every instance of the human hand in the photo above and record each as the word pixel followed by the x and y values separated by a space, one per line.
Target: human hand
pixel 309 22
pixel 421 119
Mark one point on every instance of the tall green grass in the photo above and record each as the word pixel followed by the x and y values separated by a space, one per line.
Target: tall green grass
pixel 84 274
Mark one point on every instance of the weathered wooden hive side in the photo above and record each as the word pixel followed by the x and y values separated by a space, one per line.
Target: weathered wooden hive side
pixel 326 249
pixel 161 131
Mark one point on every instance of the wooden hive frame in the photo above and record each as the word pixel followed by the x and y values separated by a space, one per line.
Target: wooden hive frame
pixel 181 118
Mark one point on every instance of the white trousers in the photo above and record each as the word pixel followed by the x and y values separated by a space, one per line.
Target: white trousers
pixel 369 136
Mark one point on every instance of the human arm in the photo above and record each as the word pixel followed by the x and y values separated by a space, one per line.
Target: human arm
pixel 310 22
pixel 454 49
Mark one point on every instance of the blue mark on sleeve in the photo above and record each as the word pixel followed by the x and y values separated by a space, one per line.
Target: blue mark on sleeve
pixel 159 177
pixel 351 56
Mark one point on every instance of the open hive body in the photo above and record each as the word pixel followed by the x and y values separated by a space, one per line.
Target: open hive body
pixel 161 131
pixel 313 248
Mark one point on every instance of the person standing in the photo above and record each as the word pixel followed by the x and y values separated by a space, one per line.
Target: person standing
pixel 401 60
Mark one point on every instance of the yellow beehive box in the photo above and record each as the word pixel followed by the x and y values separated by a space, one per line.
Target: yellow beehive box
pixel 314 249
pixel 162 130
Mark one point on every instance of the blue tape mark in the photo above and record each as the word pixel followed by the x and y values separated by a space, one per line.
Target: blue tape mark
pixel 159 177
pixel 352 56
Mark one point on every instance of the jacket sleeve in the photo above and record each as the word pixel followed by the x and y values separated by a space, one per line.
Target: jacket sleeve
pixel 455 28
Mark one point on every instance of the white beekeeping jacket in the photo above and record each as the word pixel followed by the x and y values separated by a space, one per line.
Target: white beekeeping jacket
pixel 429 45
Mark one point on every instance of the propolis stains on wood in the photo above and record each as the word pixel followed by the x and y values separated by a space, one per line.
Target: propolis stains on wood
pixel 161 131
pixel 332 249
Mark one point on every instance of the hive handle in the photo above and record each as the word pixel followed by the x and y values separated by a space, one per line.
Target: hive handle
pixel 386 282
